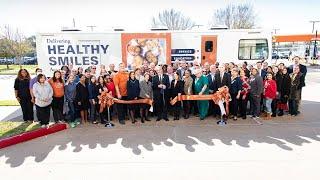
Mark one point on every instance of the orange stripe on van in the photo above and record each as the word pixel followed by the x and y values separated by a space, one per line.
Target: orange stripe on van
pixel 295 38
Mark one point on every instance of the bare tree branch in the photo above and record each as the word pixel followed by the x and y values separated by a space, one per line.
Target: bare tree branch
pixel 173 20
pixel 239 16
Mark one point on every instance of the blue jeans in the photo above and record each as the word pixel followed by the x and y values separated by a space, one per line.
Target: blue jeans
pixel 267 103
pixel 92 110
pixel 293 106
pixel 72 111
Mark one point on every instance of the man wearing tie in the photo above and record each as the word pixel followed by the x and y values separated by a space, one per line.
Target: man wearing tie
pixel 222 78
pixel 261 71
pixel 182 69
pixel 160 85
pixel 213 108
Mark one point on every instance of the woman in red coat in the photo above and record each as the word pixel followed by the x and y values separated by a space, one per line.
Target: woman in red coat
pixel 270 93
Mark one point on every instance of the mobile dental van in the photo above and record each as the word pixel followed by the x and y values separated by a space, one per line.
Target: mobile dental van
pixel 160 47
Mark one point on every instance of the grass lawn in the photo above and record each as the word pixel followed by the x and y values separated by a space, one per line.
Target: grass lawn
pixel 9 128
pixel 13 69
pixel 9 103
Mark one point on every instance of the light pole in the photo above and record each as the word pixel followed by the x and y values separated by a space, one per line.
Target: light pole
pixel 196 25
pixel 313 23
pixel 274 45
pixel 91 27
pixel 275 31
pixel 315 42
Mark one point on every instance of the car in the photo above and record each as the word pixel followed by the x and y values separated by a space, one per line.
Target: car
pixel 275 56
pixel 284 56
pixel 30 60
pixel 6 61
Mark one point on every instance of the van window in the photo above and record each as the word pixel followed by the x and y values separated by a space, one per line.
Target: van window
pixel 208 46
pixel 253 49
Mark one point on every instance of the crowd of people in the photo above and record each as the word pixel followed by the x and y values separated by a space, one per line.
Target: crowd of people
pixel 256 90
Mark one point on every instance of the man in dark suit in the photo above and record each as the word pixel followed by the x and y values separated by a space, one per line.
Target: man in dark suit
pixel 303 71
pixel 222 78
pixel 182 69
pixel 213 108
pixel 160 85
pixel 211 79
pixel 245 69
pixel 261 71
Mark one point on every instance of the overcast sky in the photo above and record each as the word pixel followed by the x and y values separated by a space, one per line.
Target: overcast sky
pixel 32 16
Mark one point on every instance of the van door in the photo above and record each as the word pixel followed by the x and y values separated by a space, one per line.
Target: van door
pixel 208 49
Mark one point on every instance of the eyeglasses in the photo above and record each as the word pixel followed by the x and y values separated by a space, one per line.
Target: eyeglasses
pixel 93 68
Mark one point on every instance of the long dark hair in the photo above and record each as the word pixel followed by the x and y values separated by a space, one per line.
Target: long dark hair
pixel 132 72
pixel 19 76
pixel 54 77
pixel 98 81
pixel 176 73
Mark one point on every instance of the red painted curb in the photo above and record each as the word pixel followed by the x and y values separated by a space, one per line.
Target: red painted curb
pixel 31 135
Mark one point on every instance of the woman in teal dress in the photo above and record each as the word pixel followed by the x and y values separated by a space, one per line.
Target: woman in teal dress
pixel 201 88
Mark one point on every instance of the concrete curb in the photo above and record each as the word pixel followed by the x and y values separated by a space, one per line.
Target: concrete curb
pixel 31 135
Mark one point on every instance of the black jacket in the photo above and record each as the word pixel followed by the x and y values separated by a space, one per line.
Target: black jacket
pixel 226 80
pixel 156 90
pixel 176 89
pixel 284 89
pixel 133 89
pixel 212 84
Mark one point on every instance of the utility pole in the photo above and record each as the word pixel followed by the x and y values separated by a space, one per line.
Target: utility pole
pixel 275 31
pixel 91 27
pixel 74 22
pixel 315 42
pixel 274 44
pixel 313 23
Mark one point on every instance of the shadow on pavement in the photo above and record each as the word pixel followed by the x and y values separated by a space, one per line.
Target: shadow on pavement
pixel 284 133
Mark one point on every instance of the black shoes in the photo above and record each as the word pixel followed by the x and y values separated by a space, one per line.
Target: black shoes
pixel 166 119
pixel 134 121
pixel 280 113
pixel 109 125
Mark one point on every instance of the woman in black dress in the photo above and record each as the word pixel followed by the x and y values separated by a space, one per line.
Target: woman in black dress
pixel 101 86
pixel 177 88
pixel 133 93
pixel 82 98
pixel 284 91
pixel 22 92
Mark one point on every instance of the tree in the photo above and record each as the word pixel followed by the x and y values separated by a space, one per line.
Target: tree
pixel 14 44
pixel 173 20
pixel 240 16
